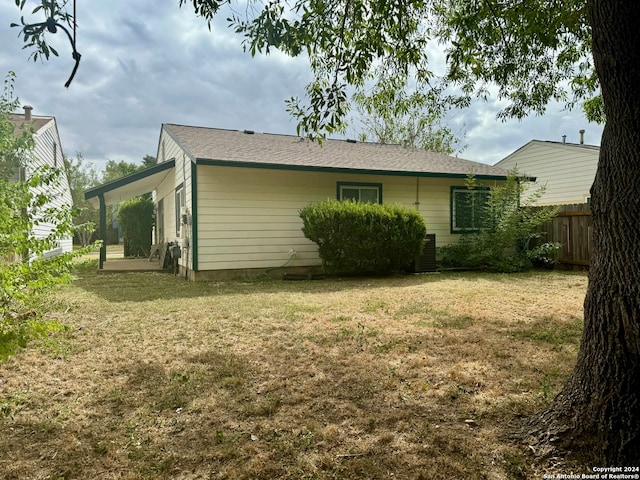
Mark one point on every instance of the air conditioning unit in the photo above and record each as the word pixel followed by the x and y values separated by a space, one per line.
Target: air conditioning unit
pixel 427 261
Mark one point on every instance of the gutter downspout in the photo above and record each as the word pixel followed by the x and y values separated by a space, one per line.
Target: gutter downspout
pixel 103 231
pixel 194 218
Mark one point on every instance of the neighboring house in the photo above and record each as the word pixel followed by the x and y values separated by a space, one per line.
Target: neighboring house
pixel 567 169
pixel 47 151
pixel 231 199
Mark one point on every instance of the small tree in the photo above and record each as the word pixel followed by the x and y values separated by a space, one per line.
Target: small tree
pixel 508 226
pixel 136 219
pixel 391 113
pixel 25 269
pixel 26 203
pixel 81 177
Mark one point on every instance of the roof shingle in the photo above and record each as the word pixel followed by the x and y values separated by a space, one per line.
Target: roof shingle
pixel 235 146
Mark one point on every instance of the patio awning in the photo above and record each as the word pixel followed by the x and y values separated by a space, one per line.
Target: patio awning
pixel 122 189
pixel 130 186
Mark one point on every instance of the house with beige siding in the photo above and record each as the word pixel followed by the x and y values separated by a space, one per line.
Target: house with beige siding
pixel 231 199
pixel 47 152
pixel 567 169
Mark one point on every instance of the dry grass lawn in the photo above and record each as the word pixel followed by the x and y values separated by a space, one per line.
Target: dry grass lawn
pixel 406 377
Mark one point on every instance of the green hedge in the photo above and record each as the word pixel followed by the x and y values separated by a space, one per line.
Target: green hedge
pixel 360 238
pixel 136 219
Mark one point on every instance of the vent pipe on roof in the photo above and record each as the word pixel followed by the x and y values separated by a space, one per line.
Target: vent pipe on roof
pixel 581 137
pixel 27 113
pixel 564 139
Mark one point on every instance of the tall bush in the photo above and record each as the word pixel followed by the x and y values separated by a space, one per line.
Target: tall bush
pixel 136 219
pixel 358 238
pixel 509 223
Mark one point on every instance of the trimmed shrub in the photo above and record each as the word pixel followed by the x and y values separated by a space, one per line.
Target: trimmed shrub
pixel 136 219
pixel 361 238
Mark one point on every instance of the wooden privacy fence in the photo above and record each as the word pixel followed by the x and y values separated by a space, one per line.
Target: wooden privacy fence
pixel 571 228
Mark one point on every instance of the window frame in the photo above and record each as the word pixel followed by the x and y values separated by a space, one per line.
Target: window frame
pixel 180 200
pixel 359 185
pixel 455 229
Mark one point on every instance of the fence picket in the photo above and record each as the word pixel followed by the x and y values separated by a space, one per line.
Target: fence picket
pixel 572 229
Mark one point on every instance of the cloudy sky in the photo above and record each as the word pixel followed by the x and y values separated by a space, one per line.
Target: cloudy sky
pixel 146 62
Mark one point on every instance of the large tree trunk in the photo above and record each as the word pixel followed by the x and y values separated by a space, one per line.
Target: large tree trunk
pixel 598 411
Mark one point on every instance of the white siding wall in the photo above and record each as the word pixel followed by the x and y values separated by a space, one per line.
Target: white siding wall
pixel 567 170
pixel 168 149
pixel 248 218
pixel 48 151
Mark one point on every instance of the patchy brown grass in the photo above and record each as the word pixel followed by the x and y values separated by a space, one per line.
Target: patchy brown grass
pixel 406 377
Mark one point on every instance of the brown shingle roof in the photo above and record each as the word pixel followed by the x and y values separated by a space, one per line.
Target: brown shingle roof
pixel 287 151
pixel 37 121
